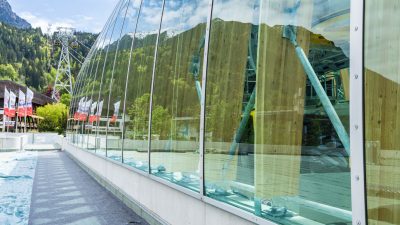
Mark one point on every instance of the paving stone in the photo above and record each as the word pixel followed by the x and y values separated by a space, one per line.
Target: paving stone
pixel 63 193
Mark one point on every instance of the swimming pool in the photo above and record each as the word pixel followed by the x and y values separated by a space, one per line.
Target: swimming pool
pixel 17 170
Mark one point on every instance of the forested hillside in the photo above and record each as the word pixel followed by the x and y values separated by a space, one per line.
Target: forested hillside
pixel 28 57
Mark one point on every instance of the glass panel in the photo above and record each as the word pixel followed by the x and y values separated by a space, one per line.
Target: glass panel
pixel 72 125
pixel 135 145
pixel 120 50
pixel 102 87
pixel 382 112
pixel 88 86
pixel 80 122
pixel 88 125
pixel 177 92
pixel 80 92
pixel 281 152
pixel 95 61
pixel 83 91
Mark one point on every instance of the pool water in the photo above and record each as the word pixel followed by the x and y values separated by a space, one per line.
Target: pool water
pixel 17 170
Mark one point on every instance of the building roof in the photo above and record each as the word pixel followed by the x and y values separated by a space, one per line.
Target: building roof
pixel 38 98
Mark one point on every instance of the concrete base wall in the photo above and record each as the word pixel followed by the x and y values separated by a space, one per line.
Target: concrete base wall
pixel 154 201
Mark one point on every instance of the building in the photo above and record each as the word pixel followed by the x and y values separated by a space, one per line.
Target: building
pixel 291 107
pixel 38 100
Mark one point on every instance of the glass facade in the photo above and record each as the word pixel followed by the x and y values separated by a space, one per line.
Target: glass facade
pixel 276 112
pixel 276 83
pixel 382 118
pixel 138 85
pixel 176 94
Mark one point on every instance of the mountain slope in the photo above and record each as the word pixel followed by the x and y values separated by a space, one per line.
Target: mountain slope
pixel 28 57
pixel 7 16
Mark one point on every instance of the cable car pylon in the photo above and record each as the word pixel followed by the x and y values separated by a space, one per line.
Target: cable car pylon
pixel 63 80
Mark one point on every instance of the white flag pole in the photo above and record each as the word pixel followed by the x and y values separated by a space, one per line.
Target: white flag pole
pixel 25 119
pixel 17 113
pixel 4 111
pixel 8 108
pixel 26 106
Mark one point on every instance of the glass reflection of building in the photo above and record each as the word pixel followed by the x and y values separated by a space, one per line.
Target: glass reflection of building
pixel 277 95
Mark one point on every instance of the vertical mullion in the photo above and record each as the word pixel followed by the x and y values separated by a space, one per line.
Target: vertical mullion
pixel 112 24
pixel 356 113
pixel 78 78
pixel 103 34
pixel 127 80
pixel 113 70
pixel 152 89
pixel 79 87
pixel 203 97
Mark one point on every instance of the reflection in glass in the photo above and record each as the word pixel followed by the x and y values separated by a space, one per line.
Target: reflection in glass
pixel 137 103
pixel 277 110
pixel 83 95
pixel 103 74
pixel 92 142
pixel 80 93
pixel 72 127
pixel 177 90
pixel 382 117
pixel 119 51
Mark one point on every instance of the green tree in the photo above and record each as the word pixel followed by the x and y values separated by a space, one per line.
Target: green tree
pixel 7 72
pixel 160 122
pixel 32 57
pixel 139 114
pixel 65 99
pixel 54 117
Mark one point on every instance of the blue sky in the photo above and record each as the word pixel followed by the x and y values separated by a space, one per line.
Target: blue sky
pixel 84 15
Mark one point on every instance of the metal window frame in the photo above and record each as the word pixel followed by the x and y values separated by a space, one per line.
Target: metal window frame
pixel 203 96
pixel 74 90
pixel 114 15
pixel 356 74
pixel 356 123
pixel 221 205
pixel 77 90
pixel 93 54
pixel 152 90
pixel 91 65
pixel 127 80
pixel 114 24
pixel 127 2
pixel 87 75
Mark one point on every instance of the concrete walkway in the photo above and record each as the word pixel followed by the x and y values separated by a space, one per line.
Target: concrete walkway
pixel 63 193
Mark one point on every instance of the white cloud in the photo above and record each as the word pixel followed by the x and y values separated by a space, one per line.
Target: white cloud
pixel 47 26
pixel 85 23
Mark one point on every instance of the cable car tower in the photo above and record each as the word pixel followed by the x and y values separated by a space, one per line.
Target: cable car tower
pixel 63 37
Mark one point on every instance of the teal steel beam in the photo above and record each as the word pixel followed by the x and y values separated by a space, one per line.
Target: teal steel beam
pixel 289 32
pixel 240 131
pixel 195 68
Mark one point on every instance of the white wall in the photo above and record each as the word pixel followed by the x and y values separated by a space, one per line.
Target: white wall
pixel 164 202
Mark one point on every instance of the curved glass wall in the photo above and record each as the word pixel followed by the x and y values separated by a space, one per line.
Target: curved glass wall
pixel 276 140
pixel 177 92
pixel 138 86
pixel 71 123
pixel 90 145
pixel 381 108
pixel 96 123
pixel 120 49
pixel 92 142
pixel 103 123
pixel 277 110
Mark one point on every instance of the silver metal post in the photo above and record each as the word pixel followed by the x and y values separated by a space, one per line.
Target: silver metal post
pixel 152 89
pixel 127 80
pixel 358 192
pixel 203 99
